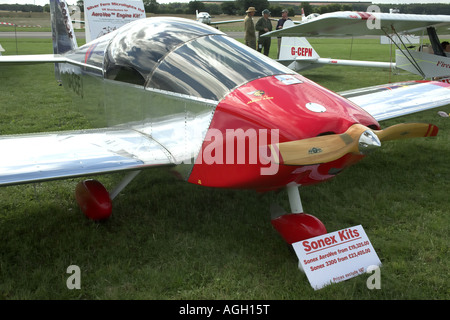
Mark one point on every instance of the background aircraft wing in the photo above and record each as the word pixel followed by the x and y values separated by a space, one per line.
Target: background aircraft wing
pixel 225 21
pixel 347 23
pixel 398 99
pixel 48 156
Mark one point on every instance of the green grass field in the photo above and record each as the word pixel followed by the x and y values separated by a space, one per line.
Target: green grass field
pixel 168 239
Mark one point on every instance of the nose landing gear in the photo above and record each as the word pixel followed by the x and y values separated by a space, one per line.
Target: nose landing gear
pixel 296 226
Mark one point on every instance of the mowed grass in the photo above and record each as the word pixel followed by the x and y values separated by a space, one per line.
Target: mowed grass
pixel 168 239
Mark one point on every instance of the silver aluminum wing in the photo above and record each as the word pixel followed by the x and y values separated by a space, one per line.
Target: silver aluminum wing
pixel 398 99
pixel 43 58
pixel 48 156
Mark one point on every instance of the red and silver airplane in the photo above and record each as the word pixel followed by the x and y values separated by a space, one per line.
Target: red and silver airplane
pixel 177 93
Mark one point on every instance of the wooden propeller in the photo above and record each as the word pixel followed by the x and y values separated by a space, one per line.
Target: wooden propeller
pixel 358 139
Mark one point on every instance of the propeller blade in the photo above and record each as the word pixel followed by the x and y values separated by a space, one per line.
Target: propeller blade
pixel 407 130
pixel 357 139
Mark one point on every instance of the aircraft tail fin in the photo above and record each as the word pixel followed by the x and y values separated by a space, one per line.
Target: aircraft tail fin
pixel 63 33
pixel 297 53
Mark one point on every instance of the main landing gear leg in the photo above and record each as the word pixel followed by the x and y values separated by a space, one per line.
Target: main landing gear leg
pixel 297 226
pixel 95 201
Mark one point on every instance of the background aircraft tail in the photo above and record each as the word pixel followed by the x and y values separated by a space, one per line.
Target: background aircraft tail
pixel 62 30
pixel 297 53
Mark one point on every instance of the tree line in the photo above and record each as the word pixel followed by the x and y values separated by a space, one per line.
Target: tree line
pixel 21 7
pixel 238 7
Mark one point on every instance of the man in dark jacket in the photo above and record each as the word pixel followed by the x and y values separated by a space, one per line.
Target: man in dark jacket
pixel 264 25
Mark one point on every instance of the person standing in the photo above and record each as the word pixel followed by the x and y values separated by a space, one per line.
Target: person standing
pixel 250 33
pixel 264 25
pixel 280 24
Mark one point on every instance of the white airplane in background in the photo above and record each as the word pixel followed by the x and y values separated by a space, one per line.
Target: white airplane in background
pixel 298 54
pixel 428 64
pixel 170 92
pixel 204 17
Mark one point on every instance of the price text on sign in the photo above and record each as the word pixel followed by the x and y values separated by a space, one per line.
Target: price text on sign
pixel 336 256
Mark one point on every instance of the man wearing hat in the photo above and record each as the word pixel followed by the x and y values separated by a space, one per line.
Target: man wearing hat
pixel 250 34
pixel 264 25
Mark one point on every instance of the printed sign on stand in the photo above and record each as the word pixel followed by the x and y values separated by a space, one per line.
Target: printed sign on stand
pixel 336 256
pixel 102 17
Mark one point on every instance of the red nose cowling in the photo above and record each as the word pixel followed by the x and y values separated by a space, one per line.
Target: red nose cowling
pixel 270 110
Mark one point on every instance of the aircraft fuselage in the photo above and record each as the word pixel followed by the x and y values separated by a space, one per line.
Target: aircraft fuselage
pixel 211 102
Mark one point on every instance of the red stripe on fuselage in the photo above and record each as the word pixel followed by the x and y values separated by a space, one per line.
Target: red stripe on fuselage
pixel 89 52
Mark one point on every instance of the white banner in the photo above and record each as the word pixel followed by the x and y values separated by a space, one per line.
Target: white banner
pixel 102 17
pixel 336 256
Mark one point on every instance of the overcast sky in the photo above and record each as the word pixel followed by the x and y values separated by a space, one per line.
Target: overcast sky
pixel 43 2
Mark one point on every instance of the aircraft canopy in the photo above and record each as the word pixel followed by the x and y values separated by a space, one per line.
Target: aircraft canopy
pixel 177 55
